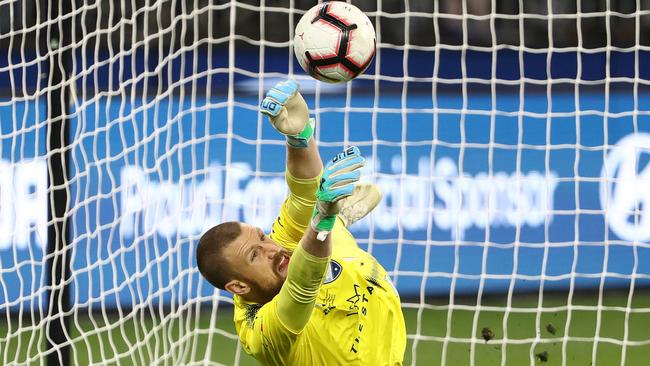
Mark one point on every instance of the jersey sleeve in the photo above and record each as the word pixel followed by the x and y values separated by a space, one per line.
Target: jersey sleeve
pixel 296 211
pixel 298 294
pixel 273 329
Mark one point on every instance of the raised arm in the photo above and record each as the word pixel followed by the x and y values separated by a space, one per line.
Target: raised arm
pixel 289 115
pixel 310 259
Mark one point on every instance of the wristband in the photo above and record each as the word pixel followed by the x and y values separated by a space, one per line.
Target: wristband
pixel 301 140
pixel 322 225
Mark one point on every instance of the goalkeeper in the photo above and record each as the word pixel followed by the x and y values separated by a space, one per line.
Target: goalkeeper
pixel 306 294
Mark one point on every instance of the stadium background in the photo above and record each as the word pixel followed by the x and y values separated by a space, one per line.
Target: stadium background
pixel 180 146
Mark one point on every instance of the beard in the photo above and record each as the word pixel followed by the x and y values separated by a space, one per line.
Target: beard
pixel 272 285
pixel 265 288
pixel 267 291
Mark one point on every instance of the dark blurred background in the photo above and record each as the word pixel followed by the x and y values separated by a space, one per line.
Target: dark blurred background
pixel 533 24
pixel 186 44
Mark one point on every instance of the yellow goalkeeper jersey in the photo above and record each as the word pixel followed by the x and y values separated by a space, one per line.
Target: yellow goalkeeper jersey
pixel 357 319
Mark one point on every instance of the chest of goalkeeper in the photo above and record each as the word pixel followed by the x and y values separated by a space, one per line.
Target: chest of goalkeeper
pixel 306 294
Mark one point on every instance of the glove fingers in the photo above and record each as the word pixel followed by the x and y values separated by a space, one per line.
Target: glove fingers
pixel 363 200
pixel 336 194
pixel 289 87
pixel 270 107
pixel 338 182
pixel 345 166
pixel 281 92
pixel 343 179
pixel 346 161
pixel 278 96
pixel 347 153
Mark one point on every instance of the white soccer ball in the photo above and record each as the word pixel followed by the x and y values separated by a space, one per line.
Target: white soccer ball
pixel 334 42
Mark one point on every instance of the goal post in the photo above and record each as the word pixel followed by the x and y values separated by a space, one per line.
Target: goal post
pixel 510 140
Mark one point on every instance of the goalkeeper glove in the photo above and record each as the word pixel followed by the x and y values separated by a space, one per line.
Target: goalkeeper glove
pixel 288 113
pixel 364 198
pixel 337 183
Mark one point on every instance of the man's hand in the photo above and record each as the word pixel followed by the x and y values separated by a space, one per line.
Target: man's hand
pixel 337 182
pixel 288 113
pixel 365 198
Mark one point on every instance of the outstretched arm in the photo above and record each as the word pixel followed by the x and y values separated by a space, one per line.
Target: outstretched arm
pixel 289 115
pixel 304 163
pixel 310 259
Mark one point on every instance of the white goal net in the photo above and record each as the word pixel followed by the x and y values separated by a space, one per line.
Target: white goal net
pixel 511 141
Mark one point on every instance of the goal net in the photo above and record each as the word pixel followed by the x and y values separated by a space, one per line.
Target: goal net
pixel 510 139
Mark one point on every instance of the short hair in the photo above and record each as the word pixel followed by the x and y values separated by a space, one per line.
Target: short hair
pixel 209 253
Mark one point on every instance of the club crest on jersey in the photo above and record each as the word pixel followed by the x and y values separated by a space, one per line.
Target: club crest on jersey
pixel 333 271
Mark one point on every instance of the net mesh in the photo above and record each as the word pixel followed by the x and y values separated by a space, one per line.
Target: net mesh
pixel 510 140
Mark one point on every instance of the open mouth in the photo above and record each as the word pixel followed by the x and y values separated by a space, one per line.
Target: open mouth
pixel 284 263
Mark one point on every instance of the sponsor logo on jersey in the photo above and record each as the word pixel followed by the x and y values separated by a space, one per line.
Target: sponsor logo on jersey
pixel 333 272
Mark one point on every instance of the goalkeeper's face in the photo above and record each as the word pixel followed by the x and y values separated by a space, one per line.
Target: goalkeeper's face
pixel 259 266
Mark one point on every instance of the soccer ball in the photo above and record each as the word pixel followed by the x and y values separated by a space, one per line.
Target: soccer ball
pixel 334 42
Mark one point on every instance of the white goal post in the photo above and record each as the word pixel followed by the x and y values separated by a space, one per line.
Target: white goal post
pixel 510 139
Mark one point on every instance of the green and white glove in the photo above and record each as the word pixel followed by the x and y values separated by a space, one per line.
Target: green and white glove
pixel 288 113
pixel 337 183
